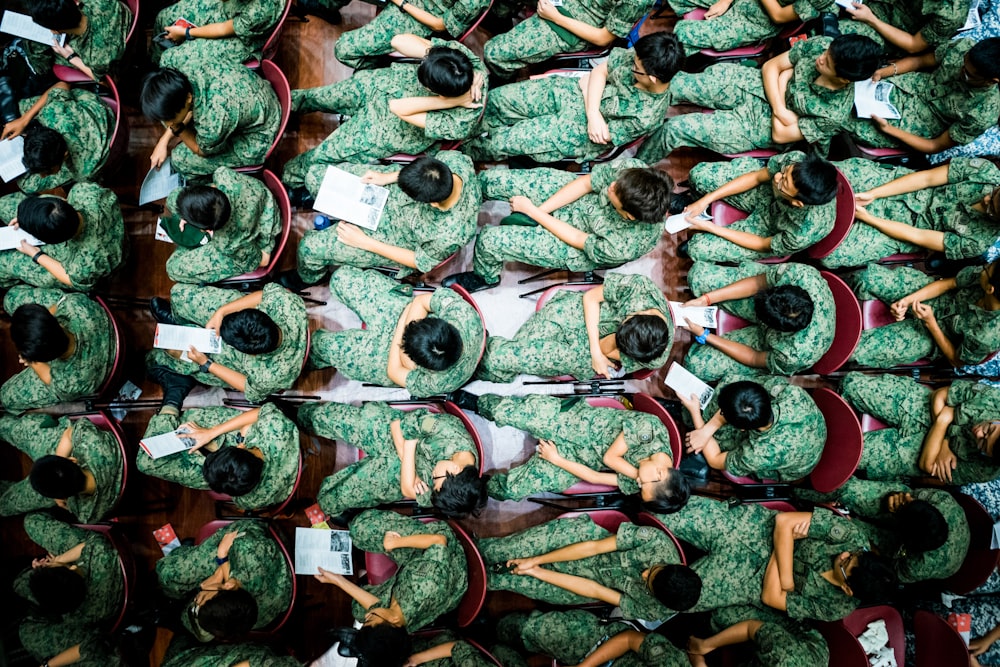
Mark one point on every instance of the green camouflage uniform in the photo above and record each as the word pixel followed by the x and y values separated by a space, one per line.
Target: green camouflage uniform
pixel 582 434
pixel 100 46
pixel 787 352
pixel 892 454
pixel 238 246
pixel 432 234
pixel 236 115
pixel 545 119
pixel 612 240
pixel 791 229
pixel 536 39
pixel 372 131
pixel 265 373
pixel 937 21
pixel 779 642
pixel 374 480
pixel 93 253
pixel 974 330
pixel 790 447
pixel 86 123
pixel 253 22
pixel 430 582
pixel 363 354
pixel 463 654
pixel 184 651
pixel 639 548
pixel 83 373
pixel 273 434
pixel 255 560
pixel 45 635
pixel 865 499
pixel 554 340
pixel 95 451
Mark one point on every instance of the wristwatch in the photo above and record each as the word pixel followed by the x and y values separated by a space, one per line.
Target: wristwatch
pixel 187 35
pixel 205 366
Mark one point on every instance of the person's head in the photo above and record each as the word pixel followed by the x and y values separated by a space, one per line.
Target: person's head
pixel 250 331
pixel 850 58
pixel 642 194
pixel 55 15
pixel 45 150
pixel 787 308
pixel 234 471
pixel 865 576
pixel 677 587
pixel 166 96
pixel 658 56
pixel 745 405
pixel 382 645
pixel 57 589
pixel 986 435
pixel 982 64
pixel 662 488
pixel 447 72
pixel 426 180
pixel 989 279
pixel 57 477
pixel 204 207
pixel 643 337
pixel 920 526
pixel 458 494
pixel 48 219
pixel 37 334
pixel 432 343
pixel 229 615
pixel 809 182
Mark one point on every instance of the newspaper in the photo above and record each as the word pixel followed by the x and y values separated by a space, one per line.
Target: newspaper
pixel 706 316
pixel 21 25
pixel 11 237
pixel 11 154
pixel 679 222
pixel 158 446
pixel 177 337
pixel 685 383
pixel 342 195
pixel 871 98
pixel 323 548
pixel 159 183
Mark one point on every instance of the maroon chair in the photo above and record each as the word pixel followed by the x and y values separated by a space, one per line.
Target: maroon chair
pixel 607 519
pixel 115 375
pixel 882 154
pixel 844 442
pixel 842 636
pixel 472 27
pixel 133 6
pixel 105 422
pixel 938 644
pixel 741 52
pixel 266 273
pixel 126 561
pixel 981 560
pixel 645 403
pixel 724 214
pixel 841 224
pixel 270 47
pixel 279 82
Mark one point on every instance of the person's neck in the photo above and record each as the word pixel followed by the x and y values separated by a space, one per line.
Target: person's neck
pixel 71 348
pixel 831 84
pixel 456 193
pixel 81 27
pixel 89 485
pixel 657 88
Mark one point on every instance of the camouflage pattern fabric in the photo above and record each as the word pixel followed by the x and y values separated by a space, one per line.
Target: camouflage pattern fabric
pixel 184 651
pixel 937 21
pixel 100 46
pixel 780 641
pixel 253 22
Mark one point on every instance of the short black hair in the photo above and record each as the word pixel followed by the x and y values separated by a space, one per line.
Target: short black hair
pixel 204 207
pixel 426 180
pixel 745 405
pixel 855 57
pixel 643 337
pixel 920 527
pixel 44 149
pixel 677 587
pixel 250 331
pixel 57 590
pixel 815 179
pixel 48 219
pixel 59 15
pixel 670 495
pixel 661 55
pixel 462 494
pixel 56 477
pixel 445 71
pixel 645 193
pixel 229 615
pixel 787 308
pixel 432 343
pixel 232 470
pixel 873 580
pixel 985 57
pixel 164 94
pixel 37 334
pixel 382 645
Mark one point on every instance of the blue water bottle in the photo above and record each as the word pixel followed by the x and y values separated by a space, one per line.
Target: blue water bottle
pixel 321 222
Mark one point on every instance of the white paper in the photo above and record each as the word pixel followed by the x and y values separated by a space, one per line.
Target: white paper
pixel 11 237
pixel 685 383
pixel 21 25
pixel 995 541
pixel 706 316
pixel 973 20
pixel 177 337
pixel 872 98
pixel 159 183
pixel 323 548
pixel 678 222
pixel 11 163
pixel 158 446
pixel 342 195
pixel 161 233
pixel 848 4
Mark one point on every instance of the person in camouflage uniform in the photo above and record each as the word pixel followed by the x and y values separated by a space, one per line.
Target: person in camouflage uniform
pixel 778 641
pixel 615 216
pixel 947 432
pixel 252 561
pixel 184 651
pixel 549 119
pixel 738 290
pixel 93 44
pixel 78 372
pixel 375 354
pixel 92 252
pixel 224 31
pixel 263 373
pixel 556 341
pixel 907 27
pixel 443 449
pixel 96 560
pixel 95 451
pixel 241 244
pixel 445 649
pixel 265 430
pixel 954 318
pixel 371 130
pixel 786 447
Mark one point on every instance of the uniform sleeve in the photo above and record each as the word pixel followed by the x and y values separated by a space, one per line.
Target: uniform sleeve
pixel 747 460
pixel 830 527
pixel 215 123
pixel 832 607
pixel 957 246
pixel 942 25
pixel 461 14
pixel 616 247
pixel 797 52
pixel 632 293
pixel 257 18
pixel 278 438
pixel 464 654
pixel 624 15
pixel 808 10
pixel 782 160
pixel 963 391
pixel 962 169
pixel 803 235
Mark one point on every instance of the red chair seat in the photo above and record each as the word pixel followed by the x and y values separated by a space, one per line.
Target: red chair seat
pixel 869 424
pixel 981 560
pixel 844 442
pixel 938 644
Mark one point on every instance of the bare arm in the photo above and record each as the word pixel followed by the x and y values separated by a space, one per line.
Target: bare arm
pixel 570 552
pixel 918 180
pixel 925 238
pixel 779 13
pixel 614 458
pixel 924 145
pixel 67 657
pixel 17 126
pixel 563 231
pixel 775 85
pixel 597 126
pixel 439 652
pixel 744 354
pixel 899 38
pixel 594 35
pixel 411 46
pixel 580 585
pixel 738 185
pixel 934 441
pixel 788 527
pixel 548 451
pixel 743 239
pixel 614 648
pixel 358 594
pixel 772 594
pixel 741 289
pixel 433 22
pixel 907 64
pixel 424 541
pixel 568 194
pixel 408 472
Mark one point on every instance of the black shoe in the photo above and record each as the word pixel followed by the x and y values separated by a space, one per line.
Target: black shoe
pixel 176 387
pixel 161 310
pixel 331 16
pixel 695 467
pixel 291 280
pixel 831 26
pixel 680 201
pixel 682 250
pixel 299 197
pixel 345 637
pixel 8 103
pixel 469 280
pixel 464 399
pixel 344 518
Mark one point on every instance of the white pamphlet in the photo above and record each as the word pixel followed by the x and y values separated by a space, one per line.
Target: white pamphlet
pixel 871 98
pixel 11 237
pixel 323 548
pixel 343 196
pixel 706 316
pixel 679 222
pixel 158 446
pixel 177 337
pixel 849 4
pixel 11 162
pixel 161 233
pixel 21 25
pixel 973 20
pixel 995 541
pixel 159 183
pixel 685 383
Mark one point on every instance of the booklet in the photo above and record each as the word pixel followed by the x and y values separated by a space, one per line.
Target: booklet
pixel 849 4
pixel 678 222
pixel 11 159
pixel 871 98
pixel 178 337
pixel 685 383
pixel 323 548
pixel 973 20
pixel 706 316
pixel 11 237
pixel 159 183
pixel 342 195
pixel 158 446
pixel 21 25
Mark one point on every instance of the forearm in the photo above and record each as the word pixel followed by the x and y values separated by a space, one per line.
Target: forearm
pixel 944 343
pixel 743 239
pixel 236 423
pixel 70 556
pixel 934 440
pixel 778 13
pixel 772 594
pixel 67 657
pixel 421 542
pixel 592 301
pixel 585 31
pixel 580 585
pixel 55 267
pixel 739 185
pixel 411 106
pixel 899 38
pixel 715 457
pixel 734 634
pixel 408 471
pixel 586 473
pixel 40 103
pixel 411 46
pixel 568 194
pixel 741 289
pixel 907 64
pixel 190 139
pixel 744 354
pixel 234 379
pixel 433 22
pixel 251 300
pixel 214 30
pixel 82 67
pixel 614 458
pixel 439 652
pixel 358 594
pixel 614 648
pixel 783 550
pixel 773 88
pixel 579 551
pixel 933 290
pixel 925 238
pixel 596 81
pixel 393 253
pixel 563 231
pixel 918 180
pixel 920 144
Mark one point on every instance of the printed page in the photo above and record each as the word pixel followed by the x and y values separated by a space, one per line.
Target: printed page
pixel 871 98
pixel 706 316
pixel 11 237
pixel 159 183
pixel 343 196
pixel 21 25
pixel 166 444
pixel 177 337
pixel 11 154
pixel 678 222
pixel 685 383
pixel 323 548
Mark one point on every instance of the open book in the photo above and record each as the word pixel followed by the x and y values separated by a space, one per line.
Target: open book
pixel 706 316
pixel 871 98
pixel 177 337
pixel 342 195
pixel 685 383
pixel 21 25
pixel 11 237
pixel 11 162
pixel 158 446
pixel 323 548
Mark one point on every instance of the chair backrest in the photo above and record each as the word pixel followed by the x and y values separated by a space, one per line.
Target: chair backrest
pixel 210 528
pixel 105 422
pixel 845 649
pixel 271 45
pixel 462 292
pixel 729 322
pixel 980 561
pixel 126 561
pixel 552 291
pixel 280 194
pixel 279 82
pixel 848 326
pixel 450 408
pixel 133 6
pixel 646 403
pixel 857 622
pixel 841 224
pixel 118 145
pixel 875 314
pixel 486 654
pixel 475 594
pixel 607 519
pixel 648 519
pixel 938 644
pixel 844 442
pixel 118 346
pixel 475 24
pixel 280 621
